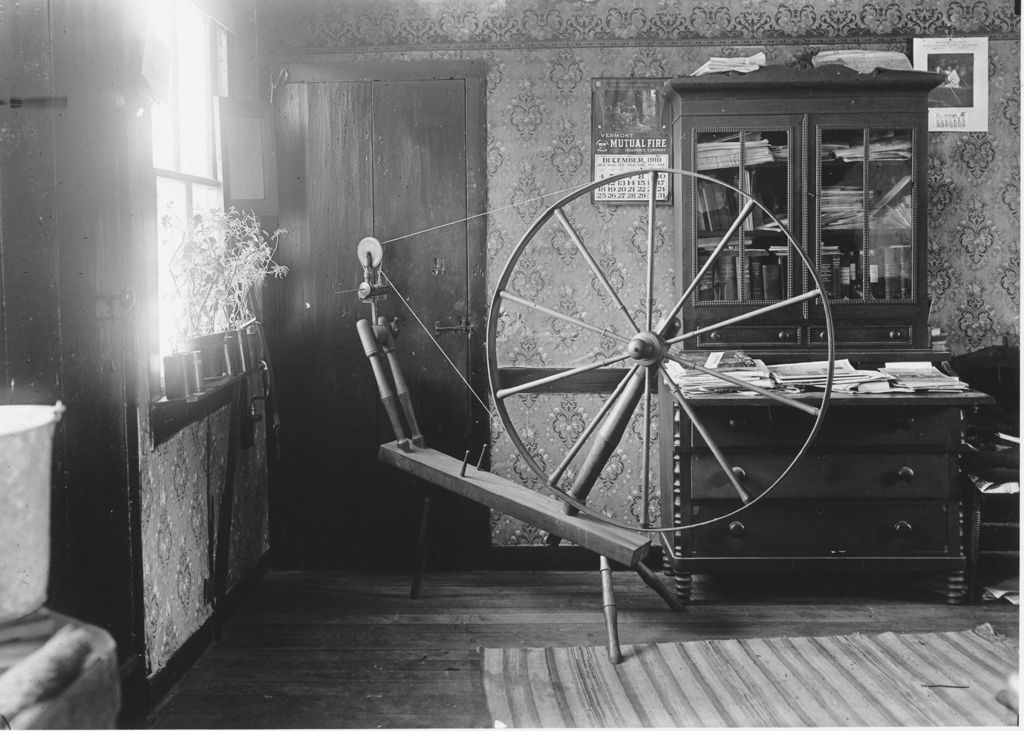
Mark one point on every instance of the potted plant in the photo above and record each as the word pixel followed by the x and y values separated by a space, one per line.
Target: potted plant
pixel 223 256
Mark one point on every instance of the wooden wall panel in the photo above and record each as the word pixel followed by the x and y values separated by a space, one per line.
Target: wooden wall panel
pixel 28 228
pixel 98 562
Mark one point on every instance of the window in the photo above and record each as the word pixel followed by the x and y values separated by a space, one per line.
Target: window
pixel 184 153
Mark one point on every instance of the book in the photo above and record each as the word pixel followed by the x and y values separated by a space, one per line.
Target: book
pixel 726 271
pixel 756 269
pixel 706 285
pixel 772 276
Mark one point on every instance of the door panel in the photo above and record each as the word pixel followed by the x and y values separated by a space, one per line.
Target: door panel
pixel 385 158
pixel 419 183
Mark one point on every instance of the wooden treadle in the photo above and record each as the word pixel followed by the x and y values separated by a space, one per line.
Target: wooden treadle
pixel 621 545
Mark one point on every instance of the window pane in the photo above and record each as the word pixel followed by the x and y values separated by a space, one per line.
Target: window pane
pixel 172 220
pixel 195 114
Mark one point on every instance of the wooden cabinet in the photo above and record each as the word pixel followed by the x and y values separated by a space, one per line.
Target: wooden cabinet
pixel 878 489
pixel 840 159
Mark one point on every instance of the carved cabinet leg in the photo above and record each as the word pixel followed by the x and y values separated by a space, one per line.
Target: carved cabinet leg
pixel 955 589
pixel 684 587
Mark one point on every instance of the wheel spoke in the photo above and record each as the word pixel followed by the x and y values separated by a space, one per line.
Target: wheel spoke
pixel 506 295
pixel 651 200
pixel 645 486
pixel 560 215
pixel 745 385
pixel 745 316
pixel 746 211
pixel 506 392
pixel 585 435
pixel 608 437
pixel 719 457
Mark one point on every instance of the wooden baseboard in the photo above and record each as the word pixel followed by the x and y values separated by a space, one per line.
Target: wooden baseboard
pixel 160 683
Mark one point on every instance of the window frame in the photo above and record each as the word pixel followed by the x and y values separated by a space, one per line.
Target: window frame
pixel 168 416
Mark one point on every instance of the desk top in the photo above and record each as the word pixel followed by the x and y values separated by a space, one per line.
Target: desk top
pixel 961 399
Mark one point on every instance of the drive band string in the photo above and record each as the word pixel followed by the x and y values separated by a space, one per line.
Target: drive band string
pixel 477 396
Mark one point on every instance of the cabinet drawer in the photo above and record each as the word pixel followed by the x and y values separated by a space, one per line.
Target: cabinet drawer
pixel 861 334
pixel 839 528
pixel 827 475
pixel 853 426
pixel 753 336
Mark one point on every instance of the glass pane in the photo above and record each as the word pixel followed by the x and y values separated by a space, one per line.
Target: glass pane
pixel 164 140
pixel 754 266
pixel 890 217
pixel 172 220
pixel 766 267
pixel 718 156
pixel 840 217
pixel 176 203
pixel 195 111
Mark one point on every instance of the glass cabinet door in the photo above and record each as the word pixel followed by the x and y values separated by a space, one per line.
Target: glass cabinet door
pixel 755 266
pixel 865 221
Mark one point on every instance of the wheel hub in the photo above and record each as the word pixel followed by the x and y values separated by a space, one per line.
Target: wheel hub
pixel 647 347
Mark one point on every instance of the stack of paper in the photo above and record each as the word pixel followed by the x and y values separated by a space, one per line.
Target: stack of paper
pixel 814 374
pixel 863 61
pixel 725 152
pixel 923 376
pixel 897 148
pixel 842 206
pixel 718 64
pixel 734 363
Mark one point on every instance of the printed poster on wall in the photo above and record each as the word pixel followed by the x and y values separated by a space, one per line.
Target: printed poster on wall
pixel 630 130
pixel 960 103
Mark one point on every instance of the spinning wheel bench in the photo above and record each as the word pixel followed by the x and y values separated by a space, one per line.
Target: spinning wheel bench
pixel 609 542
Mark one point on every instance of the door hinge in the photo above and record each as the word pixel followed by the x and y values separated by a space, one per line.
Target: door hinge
pixel 464 326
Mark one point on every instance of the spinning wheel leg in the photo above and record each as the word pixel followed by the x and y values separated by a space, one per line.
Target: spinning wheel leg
pixel 422 546
pixel 652 580
pixel 610 612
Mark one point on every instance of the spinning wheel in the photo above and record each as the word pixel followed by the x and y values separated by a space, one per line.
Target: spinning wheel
pixel 633 350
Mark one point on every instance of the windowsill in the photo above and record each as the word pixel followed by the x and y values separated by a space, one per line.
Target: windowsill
pixel 169 416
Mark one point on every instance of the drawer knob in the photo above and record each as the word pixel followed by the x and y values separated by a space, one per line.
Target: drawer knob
pixel 785 335
pixel 895 334
pixel 822 335
pixel 905 474
pixel 715 337
pixel 903 528
pixel 737 424
pixel 741 474
pixel 737 528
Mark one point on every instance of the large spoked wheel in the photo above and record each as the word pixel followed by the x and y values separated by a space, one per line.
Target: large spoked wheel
pixel 636 345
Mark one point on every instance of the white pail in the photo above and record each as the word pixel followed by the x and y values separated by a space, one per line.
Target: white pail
pixel 26 447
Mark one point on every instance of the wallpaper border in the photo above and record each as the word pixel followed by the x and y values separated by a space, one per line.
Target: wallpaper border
pixel 390 27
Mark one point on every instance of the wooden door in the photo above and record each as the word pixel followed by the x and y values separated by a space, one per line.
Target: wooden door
pixel 384 152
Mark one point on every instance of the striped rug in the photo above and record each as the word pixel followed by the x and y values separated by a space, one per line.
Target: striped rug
pixel 933 679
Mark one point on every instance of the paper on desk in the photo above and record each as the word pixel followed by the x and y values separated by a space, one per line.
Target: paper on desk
pixel 1009 589
pixel 718 64
pixel 863 61
pixel 995 488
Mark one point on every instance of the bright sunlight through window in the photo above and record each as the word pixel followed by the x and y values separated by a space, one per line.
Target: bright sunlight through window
pixel 187 181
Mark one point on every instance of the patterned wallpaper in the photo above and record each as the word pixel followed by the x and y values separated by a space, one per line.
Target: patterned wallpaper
pixel 541 57
pixel 181 492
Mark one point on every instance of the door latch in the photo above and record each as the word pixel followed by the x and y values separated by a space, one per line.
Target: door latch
pixel 464 326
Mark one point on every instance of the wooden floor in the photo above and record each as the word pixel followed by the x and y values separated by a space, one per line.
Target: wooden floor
pixel 352 650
